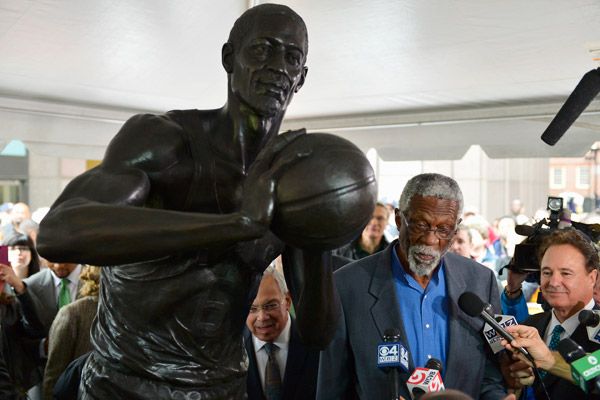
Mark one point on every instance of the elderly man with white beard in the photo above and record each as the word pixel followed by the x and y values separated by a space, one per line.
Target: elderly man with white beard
pixel 413 287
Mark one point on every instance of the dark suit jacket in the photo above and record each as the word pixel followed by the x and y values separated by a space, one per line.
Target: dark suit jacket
pixel 367 292
pixel 43 292
pixel 300 377
pixel 559 388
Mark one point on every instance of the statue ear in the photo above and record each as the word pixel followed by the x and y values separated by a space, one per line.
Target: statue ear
pixel 302 79
pixel 227 57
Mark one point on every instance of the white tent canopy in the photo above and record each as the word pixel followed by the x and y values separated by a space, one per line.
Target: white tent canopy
pixel 412 79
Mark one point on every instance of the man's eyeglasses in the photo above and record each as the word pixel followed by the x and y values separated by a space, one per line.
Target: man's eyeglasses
pixel 272 306
pixel 443 232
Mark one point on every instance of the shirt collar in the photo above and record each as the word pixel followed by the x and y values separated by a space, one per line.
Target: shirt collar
pixel 73 277
pixel 570 324
pixel 282 341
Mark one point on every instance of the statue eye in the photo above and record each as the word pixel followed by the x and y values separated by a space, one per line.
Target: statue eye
pixel 294 58
pixel 261 51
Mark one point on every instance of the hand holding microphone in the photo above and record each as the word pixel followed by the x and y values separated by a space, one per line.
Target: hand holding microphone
pixel 473 306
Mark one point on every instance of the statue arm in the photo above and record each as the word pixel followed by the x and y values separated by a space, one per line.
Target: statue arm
pixel 309 276
pixel 102 217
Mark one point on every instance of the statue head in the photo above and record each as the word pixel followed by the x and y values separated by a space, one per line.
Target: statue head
pixel 265 58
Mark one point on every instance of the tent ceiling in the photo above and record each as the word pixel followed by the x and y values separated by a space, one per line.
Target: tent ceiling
pixel 413 79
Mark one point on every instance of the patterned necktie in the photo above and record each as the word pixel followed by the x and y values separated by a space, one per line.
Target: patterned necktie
pixel 554 339
pixel 64 296
pixel 272 374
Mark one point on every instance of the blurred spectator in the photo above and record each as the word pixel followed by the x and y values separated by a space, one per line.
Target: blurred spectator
pixel 22 255
pixel 39 214
pixel 30 228
pixel 480 252
pixel 19 335
pixel 69 336
pixel 372 239
pixel 391 230
pixel 462 241
pixel 18 213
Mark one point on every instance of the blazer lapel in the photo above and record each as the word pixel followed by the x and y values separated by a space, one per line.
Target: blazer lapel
pixel 456 356
pixel 385 310
pixel 253 385
pixel 294 365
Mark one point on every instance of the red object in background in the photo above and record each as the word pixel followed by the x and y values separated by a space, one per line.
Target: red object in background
pixel 4 255
pixel 3 260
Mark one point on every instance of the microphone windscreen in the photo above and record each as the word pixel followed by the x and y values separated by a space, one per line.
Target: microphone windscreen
pixel 434 363
pixel 585 91
pixel 588 318
pixel 471 304
pixel 391 334
pixel 570 350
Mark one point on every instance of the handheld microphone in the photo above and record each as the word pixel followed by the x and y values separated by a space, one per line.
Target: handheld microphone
pixel 591 320
pixel 392 356
pixel 425 380
pixel 471 304
pixel 585 368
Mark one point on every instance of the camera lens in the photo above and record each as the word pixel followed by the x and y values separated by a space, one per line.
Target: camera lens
pixel 555 204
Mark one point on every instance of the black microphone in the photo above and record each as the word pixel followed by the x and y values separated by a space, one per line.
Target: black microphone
pixel 570 350
pixel 588 318
pixel 391 357
pixel 471 304
pixel 585 91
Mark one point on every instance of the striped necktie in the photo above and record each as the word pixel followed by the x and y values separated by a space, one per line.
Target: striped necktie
pixel 272 374
pixel 554 339
pixel 64 296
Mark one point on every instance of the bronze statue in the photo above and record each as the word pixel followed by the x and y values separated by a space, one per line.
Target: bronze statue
pixel 179 214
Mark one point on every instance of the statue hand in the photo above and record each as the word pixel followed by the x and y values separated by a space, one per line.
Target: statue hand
pixel 259 187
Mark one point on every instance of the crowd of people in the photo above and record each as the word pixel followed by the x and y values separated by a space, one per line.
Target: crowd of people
pixel 45 324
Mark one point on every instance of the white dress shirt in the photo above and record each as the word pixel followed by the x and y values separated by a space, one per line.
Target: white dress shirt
pixel 283 342
pixel 569 325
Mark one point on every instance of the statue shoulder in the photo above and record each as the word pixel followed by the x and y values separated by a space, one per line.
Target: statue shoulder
pixel 147 140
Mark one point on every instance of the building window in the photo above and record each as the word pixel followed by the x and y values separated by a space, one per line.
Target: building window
pixel 582 177
pixel 558 177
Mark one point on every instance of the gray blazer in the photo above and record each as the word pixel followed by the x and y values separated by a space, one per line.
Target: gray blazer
pixel 43 293
pixel 348 367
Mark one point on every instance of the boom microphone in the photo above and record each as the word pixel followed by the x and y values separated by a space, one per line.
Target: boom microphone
pixel 426 380
pixel 392 357
pixel 585 91
pixel 471 304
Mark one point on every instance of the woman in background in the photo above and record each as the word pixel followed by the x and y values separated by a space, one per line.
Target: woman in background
pixel 22 255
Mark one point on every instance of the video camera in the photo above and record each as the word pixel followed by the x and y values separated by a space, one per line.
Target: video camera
pixel 525 259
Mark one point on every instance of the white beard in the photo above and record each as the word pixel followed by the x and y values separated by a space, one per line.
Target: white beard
pixel 421 268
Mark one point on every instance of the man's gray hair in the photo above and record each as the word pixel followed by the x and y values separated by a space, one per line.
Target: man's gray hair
pixel 278 276
pixel 431 185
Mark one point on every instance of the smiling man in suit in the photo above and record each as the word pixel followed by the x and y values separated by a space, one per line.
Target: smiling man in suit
pixel 569 270
pixel 413 286
pixel 280 366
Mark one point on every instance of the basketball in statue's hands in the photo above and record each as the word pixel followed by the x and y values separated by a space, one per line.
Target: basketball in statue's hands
pixel 326 198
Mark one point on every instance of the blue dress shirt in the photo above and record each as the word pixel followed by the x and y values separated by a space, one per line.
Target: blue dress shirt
pixel 424 314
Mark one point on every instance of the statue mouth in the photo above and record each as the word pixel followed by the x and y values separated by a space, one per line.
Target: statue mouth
pixel 275 89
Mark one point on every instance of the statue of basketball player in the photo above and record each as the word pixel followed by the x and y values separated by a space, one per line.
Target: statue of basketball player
pixel 179 213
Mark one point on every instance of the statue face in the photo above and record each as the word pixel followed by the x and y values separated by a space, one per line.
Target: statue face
pixel 268 65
